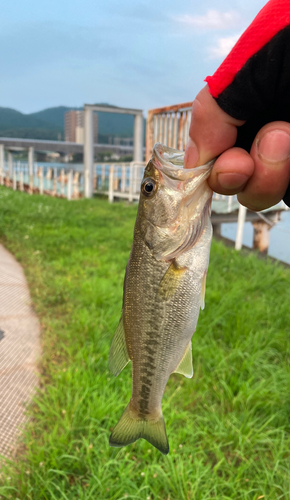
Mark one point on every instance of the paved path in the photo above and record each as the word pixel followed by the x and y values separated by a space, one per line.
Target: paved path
pixel 19 351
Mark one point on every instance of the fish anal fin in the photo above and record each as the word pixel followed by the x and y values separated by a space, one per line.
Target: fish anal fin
pixel 118 355
pixel 170 281
pixel 131 427
pixel 203 285
pixel 185 366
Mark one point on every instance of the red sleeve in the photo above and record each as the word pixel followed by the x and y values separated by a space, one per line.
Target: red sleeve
pixel 273 18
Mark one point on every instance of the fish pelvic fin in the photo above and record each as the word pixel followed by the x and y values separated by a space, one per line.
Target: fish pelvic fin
pixel 132 426
pixel 185 365
pixel 118 355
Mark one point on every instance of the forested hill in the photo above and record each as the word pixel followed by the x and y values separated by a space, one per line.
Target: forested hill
pixel 49 124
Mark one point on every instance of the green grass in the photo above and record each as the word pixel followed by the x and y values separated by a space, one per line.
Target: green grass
pixel 228 427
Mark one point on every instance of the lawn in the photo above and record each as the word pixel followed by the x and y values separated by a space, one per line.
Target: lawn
pixel 228 427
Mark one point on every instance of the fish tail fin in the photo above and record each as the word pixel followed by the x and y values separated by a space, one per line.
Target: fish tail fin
pixel 132 426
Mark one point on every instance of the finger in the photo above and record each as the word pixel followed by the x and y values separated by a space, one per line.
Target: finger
pixel 271 154
pixel 231 171
pixel 211 132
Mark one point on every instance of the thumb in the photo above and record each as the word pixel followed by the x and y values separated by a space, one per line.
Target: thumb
pixel 211 131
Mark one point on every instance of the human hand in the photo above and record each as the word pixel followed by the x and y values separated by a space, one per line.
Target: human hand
pixel 259 178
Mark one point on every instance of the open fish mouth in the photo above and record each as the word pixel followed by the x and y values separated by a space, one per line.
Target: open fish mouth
pixel 185 199
pixel 170 163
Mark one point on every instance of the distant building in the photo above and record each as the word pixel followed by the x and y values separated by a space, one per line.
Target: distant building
pixel 74 126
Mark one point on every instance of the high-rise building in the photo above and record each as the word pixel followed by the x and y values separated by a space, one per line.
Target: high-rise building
pixel 74 126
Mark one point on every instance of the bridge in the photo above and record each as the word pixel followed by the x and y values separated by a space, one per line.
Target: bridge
pixel 62 147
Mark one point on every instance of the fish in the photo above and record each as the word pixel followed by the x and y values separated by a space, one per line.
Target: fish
pixel 164 289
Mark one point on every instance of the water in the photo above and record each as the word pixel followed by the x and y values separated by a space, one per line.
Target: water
pixel 279 247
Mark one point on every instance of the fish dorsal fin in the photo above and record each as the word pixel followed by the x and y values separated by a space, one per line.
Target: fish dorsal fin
pixel 118 356
pixel 185 365
pixel 203 284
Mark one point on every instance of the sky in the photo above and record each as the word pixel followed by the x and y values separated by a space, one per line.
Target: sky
pixel 134 53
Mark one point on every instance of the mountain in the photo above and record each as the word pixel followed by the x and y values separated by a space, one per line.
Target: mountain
pixel 49 124
pixel 53 116
pixel 10 118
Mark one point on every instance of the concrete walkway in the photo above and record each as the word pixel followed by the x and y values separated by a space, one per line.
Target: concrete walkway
pixel 19 351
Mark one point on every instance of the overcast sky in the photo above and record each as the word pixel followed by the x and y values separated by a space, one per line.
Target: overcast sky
pixel 133 53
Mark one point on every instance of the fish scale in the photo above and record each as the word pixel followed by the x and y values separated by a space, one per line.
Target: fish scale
pixel 163 290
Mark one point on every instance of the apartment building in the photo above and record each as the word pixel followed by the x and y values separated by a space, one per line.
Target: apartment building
pixel 74 126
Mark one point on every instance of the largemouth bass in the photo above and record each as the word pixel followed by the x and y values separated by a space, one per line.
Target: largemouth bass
pixel 164 290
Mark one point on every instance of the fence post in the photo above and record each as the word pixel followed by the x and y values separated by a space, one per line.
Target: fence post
pixel 54 188
pixel 123 181
pixel 62 182
pixel 69 184
pixel 76 185
pixel 7 181
pixel 41 180
pixel 261 236
pixel 21 187
pixel 103 177
pixel 240 227
pixel 131 178
pixel 2 163
pixel 30 166
pixel 111 184
pixel 10 168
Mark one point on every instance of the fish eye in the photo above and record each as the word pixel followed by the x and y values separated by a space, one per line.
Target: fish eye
pixel 148 187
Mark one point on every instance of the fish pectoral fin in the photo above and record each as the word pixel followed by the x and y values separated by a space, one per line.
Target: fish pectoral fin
pixel 203 291
pixel 185 366
pixel 118 355
pixel 170 281
pixel 131 427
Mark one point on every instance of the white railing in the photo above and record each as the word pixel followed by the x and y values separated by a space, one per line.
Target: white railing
pixel 43 179
pixel 119 180
pixel 115 180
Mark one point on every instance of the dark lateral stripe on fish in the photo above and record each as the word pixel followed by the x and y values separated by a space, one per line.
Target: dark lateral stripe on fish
pixel 149 349
pixel 146 380
pixel 146 372
pixel 143 402
pixel 151 342
pixel 148 364
pixel 145 391
pixel 152 335
pixel 151 360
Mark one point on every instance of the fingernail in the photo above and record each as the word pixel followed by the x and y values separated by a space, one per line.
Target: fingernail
pixel 274 146
pixel 191 154
pixel 232 181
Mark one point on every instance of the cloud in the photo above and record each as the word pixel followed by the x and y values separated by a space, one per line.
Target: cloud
pixel 212 20
pixel 223 47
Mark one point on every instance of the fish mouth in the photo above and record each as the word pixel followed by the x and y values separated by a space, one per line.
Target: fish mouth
pixel 170 163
